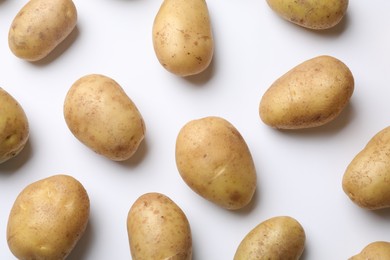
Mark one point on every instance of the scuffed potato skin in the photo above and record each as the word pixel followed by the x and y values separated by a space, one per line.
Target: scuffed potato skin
pixel 379 250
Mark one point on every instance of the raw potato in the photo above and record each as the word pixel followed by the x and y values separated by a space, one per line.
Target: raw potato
pixel 14 128
pixel 278 238
pixel 158 229
pixel 366 179
pixel 48 218
pixel 379 250
pixel 40 26
pixel 182 36
pixel 214 161
pixel 312 14
pixel 311 94
pixel 100 114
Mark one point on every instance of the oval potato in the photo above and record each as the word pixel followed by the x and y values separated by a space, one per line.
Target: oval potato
pixel 158 229
pixel 311 94
pixel 100 115
pixel 48 218
pixel 379 250
pixel 215 162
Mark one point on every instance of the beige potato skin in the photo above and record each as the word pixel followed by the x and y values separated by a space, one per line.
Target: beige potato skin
pixel 312 14
pixel 158 229
pixel 48 218
pixel 309 95
pixel 215 162
pixel 14 127
pixel 40 26
pixel 366 180
pixel 101 115
pixel 278 238
pixel 379 250
pixel 182 36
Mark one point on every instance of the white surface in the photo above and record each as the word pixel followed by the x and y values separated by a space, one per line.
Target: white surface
pixel 299 172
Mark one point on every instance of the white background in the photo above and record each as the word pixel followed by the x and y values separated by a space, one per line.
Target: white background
pixel 299 172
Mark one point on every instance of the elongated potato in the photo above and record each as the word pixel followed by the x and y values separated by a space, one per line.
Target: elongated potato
pixel 378 250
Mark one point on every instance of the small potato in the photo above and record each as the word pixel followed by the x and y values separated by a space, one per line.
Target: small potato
pixel 379 250
pixel 311 94
pixel 214 161
pixel 366 179
pixel 278 238
pixel 100 115
pixel 158 229
pixel 14 128
pixel 312 14
pixel 40 26
pixel 182 36
pixel 48 218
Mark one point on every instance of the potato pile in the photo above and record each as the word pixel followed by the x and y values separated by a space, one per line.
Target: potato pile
pixel 212 157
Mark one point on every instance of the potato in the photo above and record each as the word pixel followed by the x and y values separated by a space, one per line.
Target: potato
pixel 14 127
pixel 311 94
pixel 48 218
pixel 278 238
pixel 215 162
pixel 379 250
pixel 100 115
pixel 158 229
pixel 366 179
pixel 182 36
pixel 40 26
pixel 312 14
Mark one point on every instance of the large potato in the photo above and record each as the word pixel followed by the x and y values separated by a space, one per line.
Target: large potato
pixel 48 218
pixel 379 250
pixel 158 229
pixel 40 26
pixel 100 114
pixel 278 238
pixel 182 36
pixel 14 128
pixel 366 179
pixel 309 95
pixel 312 14
pixel 214 161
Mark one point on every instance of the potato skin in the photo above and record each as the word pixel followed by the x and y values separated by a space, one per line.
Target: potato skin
pixel 158 229
pixel 215 162
pixel 366 179
pixel 48 218
pixel 379 250
pixel 100 114
pixel 182 36
pixel 40 26
pixel 309 95
pixel 312 14
pixel 278 238
pixel 14 127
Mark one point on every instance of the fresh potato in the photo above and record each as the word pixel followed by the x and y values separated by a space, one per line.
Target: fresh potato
pixel 278 238
pixel 182 36
pixel 309 95
pixel 100 114
pixel 379 250
pixel 158 229
pixel 366 179
pixel 14 128
pixel 48 218
pixel 312 14
pixel 40 26
pixel 214 161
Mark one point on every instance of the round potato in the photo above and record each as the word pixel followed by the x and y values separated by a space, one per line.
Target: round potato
pixel 182 36
pixel 48 218
pixel 379 250
pixel 100 114
pixel 311 94
pixel 277 238
pixel 214 161
pixel 14 127
pixel 158 229
pixel 40 26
